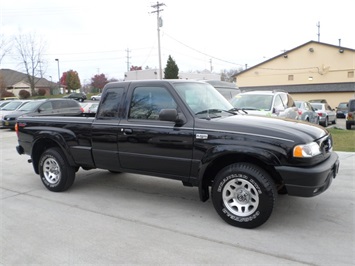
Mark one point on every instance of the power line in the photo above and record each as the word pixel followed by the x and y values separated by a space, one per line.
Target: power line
pixel 222 60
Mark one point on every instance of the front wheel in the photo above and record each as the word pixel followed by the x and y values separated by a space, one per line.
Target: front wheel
pixel 244 195
pixel 55 172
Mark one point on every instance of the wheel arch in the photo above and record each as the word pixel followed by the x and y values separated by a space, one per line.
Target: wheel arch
pixel 44 143
pixel 265 162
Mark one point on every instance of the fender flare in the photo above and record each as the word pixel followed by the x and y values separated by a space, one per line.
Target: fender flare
pixel 49 137
pixel 266 156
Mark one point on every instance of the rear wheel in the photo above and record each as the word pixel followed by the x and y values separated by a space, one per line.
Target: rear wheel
pixel 326 122
pixel 244 195
pixel 55 172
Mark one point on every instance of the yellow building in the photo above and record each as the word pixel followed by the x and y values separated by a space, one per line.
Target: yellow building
pixel 313 70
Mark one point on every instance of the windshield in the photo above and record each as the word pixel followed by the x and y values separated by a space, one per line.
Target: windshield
pixel 30 106
pixel 11 106
pixel 202 97
pixel 252 102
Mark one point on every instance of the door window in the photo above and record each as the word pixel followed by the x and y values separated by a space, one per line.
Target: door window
pixel 147 102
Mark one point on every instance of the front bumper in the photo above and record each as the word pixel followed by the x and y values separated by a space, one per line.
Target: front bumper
pixel 309 182
pixel 8 123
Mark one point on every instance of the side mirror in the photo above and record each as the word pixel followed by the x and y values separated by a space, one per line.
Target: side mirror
pixel 170 115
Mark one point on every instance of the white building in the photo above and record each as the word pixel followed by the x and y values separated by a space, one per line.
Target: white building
pixel 153 74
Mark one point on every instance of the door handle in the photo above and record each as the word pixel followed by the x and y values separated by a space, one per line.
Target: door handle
pixel 127 131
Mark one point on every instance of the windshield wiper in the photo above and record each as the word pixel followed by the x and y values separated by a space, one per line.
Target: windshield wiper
pixel 214 111
pixel 238 110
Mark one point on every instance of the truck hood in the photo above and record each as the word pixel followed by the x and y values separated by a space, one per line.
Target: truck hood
pixel 279 128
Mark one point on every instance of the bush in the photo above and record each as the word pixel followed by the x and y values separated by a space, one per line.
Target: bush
pixel 7 94
pixel 23 94
pixel 41 92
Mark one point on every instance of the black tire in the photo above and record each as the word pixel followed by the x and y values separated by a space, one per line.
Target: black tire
pixel 55 172
pixel 348 126
pixel 244 195
pixel 326 122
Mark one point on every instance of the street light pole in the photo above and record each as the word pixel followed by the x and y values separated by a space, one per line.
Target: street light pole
pixel 58 70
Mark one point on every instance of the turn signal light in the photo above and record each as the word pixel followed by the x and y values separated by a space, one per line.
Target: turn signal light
pixel 16 129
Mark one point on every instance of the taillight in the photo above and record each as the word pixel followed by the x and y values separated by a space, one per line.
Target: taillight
pixel 299 112
pixel 82 109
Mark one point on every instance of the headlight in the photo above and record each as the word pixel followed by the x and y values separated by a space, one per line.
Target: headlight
pixel 306 150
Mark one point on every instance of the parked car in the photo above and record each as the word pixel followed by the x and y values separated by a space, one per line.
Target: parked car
pixel 48 107
pixel 93 108
pixel 326 114
pixel 227 89
pixel 342 110
pixel 350 117
pixel 79 96
pixel 306 112
pixel 11 107
pixel 3 103
pixel 96 97
pixel 267 103
pixel 86 106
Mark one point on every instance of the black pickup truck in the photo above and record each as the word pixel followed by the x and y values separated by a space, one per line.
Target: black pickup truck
pixel 185 130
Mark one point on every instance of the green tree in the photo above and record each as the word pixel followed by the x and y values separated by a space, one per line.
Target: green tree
pixel 171 71
pixel 72 81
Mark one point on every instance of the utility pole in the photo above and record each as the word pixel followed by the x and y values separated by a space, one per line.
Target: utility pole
pixel 318 25
pixel 159 24
pixel 128 59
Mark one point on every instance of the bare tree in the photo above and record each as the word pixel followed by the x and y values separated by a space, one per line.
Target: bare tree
pixel 5 47
pixel 30 51
pixel 227 75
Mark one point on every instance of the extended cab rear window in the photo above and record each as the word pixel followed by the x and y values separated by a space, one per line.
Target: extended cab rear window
pixel 109 106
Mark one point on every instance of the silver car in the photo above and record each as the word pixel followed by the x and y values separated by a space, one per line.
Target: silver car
pixel 307 112
pixel 326 114
pixel 266 103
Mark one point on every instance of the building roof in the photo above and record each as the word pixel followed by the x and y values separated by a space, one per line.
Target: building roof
pixel 289 51
pixel 11 77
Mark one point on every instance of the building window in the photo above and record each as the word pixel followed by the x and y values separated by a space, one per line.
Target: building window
pixel 290 77
pixel 350 74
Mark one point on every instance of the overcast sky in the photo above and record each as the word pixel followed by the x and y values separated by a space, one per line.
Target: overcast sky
pixel 93 37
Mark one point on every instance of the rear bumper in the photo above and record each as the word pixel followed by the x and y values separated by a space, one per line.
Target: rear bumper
pixel 309 182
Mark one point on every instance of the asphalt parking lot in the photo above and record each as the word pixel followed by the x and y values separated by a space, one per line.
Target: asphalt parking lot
pixel 133 219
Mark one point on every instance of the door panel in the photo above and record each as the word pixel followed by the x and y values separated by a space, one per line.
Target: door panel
pixel 148 144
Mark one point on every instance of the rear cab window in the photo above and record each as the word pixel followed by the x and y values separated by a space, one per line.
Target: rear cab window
pixel 110 103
